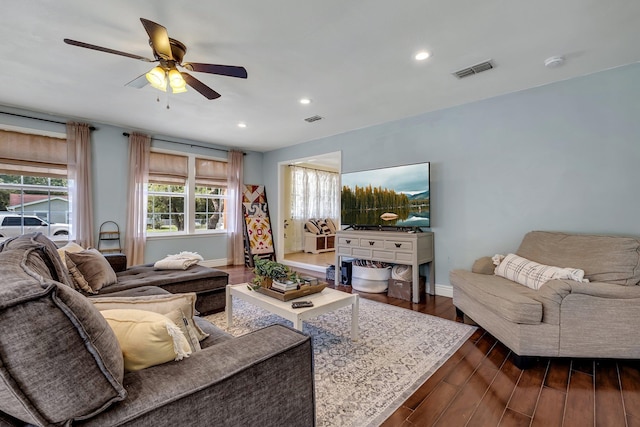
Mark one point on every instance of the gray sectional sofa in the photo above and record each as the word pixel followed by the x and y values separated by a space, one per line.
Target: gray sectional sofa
pixel 209 284
pixel 563 318
pixel 61 364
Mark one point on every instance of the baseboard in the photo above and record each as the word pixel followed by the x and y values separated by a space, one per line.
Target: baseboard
pixel 221 262
pixel 444 290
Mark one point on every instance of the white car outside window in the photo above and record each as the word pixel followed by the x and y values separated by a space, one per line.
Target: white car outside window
pixel 12 225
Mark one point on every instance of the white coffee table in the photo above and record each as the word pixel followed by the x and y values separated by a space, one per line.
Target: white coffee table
pixel 323 302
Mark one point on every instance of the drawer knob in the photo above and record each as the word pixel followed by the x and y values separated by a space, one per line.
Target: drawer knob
pixel 398 245
pixel 371 243
pixel 348 241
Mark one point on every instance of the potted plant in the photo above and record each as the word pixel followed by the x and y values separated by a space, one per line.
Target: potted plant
pixel 267 271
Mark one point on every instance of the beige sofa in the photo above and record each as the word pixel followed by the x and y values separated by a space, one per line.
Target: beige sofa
pixel 563 318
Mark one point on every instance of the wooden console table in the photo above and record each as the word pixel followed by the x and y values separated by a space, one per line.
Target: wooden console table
pixel 394 247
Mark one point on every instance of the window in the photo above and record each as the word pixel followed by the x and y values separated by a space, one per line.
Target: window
pixel 34 203
pixel 186 194
pixel 33 184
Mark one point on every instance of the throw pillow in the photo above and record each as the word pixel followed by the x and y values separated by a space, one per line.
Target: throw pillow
pixel 77 277
pixel 146 338
pixel 69 247
pixel 178 317
pixel 324 227
pixel 94 267
pixel 331 225
pixel 532 274
pixel 162 304
pixel 312 226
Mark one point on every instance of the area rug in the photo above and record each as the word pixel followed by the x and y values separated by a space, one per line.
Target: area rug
pixel 362 383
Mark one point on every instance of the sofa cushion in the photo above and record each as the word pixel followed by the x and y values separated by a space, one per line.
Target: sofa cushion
pixel 146 338
pixel 59 359
pixel 532 274
pixel 611 259
pixel 163 304
pixel 47 251
pixel 93 267
pixel 503 297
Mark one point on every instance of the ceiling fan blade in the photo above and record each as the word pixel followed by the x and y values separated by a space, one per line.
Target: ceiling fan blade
pixel 139 82
pixel 106 49
pixel 159 38
pixel 204 90
pixel 224 70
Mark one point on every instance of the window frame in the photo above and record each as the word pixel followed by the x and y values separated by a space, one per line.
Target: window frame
pixel 190 199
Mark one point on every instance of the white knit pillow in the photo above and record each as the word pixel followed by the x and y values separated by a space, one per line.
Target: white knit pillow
pixel 532 274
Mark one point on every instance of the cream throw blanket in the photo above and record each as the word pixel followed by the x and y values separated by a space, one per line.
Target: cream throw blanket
pixel 180 261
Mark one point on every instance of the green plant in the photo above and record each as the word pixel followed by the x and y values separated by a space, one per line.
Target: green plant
pixel 269 269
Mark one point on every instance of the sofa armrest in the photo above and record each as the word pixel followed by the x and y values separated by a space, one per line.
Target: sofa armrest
pixel 262 378
pixel 596 289
pixel 117 261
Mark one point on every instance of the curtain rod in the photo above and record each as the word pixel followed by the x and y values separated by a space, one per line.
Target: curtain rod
pixel 38 118
pixel 187 143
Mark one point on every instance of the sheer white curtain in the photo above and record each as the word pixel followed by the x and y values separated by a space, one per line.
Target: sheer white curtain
pixel 139 149
pixel 235 243
pixel 315 194
pixel 80 183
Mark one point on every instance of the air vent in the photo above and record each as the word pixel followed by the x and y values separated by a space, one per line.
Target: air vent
pixel 474 69
pixel 313 119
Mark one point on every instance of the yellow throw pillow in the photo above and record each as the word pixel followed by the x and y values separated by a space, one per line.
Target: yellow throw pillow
pixel 146 338
pixel 162 304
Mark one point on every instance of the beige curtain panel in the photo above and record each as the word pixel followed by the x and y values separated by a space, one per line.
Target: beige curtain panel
pixel 139 157
pixel 235 221
pixel 80 182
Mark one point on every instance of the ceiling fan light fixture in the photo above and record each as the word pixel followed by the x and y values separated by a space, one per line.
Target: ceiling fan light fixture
pixel 157 78
pixel 176 80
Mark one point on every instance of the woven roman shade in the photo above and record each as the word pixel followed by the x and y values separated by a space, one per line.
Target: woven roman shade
pixel 167 168
pixel 33 155
pixel 211 173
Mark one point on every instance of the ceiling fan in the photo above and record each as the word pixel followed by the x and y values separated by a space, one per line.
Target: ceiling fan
pixel 169 53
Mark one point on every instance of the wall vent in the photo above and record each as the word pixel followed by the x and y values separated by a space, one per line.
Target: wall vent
pixel 474 69
pixel 313 119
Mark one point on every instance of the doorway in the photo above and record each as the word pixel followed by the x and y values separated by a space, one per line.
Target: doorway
pixel 290 244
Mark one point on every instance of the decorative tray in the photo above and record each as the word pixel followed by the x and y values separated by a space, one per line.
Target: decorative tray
pixel 289 295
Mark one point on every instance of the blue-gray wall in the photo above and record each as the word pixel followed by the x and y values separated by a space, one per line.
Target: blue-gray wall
pixel 559 157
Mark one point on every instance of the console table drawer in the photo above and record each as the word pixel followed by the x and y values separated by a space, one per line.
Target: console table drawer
pixel 341 250
pixel 384 255
pixel 372 243
pixel 404 257
pixel 398 245
pixel 344 241
pixel 361 253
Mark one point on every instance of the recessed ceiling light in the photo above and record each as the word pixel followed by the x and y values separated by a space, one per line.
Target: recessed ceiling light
pixel 242 125
pixel 422 55
pixel 305 101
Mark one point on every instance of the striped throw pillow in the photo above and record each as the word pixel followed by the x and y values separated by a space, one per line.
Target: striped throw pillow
pixel 534 275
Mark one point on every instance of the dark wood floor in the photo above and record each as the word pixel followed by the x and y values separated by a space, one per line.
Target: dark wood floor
pixel 480 386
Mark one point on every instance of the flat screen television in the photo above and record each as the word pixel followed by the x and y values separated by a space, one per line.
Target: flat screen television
pixel 389 197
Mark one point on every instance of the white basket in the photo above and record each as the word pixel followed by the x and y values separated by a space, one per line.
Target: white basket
pixel 371 273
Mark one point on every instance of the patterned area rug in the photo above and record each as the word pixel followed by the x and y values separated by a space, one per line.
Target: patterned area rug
pixel 362 383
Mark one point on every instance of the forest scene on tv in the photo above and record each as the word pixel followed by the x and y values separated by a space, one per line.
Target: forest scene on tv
pixel 396 196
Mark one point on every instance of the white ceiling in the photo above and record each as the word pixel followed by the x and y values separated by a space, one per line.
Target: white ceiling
pixel 354 59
